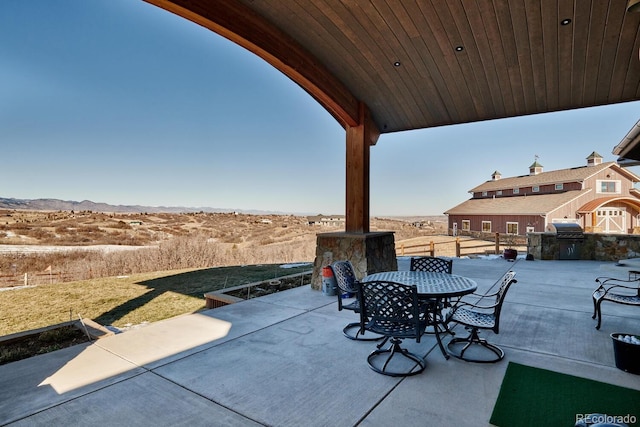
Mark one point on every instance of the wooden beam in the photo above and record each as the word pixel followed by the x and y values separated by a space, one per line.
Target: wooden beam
pixel 240 24
pixel 359 139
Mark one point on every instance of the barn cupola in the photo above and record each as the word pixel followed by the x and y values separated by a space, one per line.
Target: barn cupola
pixel 535 167
pixel 495 176
pixel 594 159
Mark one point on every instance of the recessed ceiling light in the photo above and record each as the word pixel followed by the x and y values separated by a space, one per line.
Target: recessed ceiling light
pixel 565 21
pixel 459 48
pixel 396 64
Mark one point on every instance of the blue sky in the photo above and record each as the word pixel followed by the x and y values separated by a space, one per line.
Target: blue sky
pixel 121 102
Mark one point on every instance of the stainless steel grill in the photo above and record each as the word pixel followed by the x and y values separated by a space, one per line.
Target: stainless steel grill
pixel 568 231
pixel 570 237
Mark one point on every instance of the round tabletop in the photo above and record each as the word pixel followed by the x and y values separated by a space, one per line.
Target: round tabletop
pixel 429 284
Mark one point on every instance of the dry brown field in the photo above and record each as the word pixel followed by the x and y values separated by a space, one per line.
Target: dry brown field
pixel 75 244
pixel 139 229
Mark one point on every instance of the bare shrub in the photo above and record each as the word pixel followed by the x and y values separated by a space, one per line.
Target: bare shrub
pixel 232 238
pixel 180 241
pixel 90 229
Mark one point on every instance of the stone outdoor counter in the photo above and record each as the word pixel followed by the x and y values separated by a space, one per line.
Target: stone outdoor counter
pixel 595 246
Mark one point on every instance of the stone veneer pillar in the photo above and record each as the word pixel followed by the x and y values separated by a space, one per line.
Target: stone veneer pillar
pixel 368 252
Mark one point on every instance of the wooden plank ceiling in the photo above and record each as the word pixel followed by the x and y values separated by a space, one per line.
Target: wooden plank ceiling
pixel 419 64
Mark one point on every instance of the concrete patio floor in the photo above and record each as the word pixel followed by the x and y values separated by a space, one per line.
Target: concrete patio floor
pixel 281 360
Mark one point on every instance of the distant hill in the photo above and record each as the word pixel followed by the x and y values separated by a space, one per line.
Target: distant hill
pixel 421 218
pixel 87 205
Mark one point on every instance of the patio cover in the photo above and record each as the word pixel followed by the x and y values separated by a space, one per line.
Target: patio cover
pixel 629 148
pixel 384 66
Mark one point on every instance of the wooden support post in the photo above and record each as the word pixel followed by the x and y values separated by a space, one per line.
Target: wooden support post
pixel 359 139
pixel 497 243
pixel 457 247
pixel 432 248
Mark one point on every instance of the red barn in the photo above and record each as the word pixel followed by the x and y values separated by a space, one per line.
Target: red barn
pixel 600 197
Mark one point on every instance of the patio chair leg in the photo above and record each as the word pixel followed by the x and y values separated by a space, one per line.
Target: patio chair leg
pixel 597 312
pixel 474 339
pixel 358 336
pixel 436 320
pixel 439 325
pixel 393 350
pixel 382 343
pixel 445 326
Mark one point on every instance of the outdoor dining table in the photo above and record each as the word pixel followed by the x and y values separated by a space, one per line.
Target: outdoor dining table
pixel 432 287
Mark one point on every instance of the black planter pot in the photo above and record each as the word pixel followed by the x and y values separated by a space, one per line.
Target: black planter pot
pixel 510 254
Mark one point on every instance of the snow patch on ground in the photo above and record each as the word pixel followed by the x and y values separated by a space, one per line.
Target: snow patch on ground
pixel 294 265
pixel 127 327
pixel 44 249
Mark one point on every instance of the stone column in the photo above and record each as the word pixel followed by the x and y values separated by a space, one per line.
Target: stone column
pixel 368 252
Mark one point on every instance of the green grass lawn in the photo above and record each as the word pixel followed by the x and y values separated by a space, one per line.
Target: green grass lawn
pixel 119 301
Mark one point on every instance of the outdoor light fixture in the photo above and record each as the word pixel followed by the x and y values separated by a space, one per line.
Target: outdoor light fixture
pixel 633 6
pixel 567 21
pixel 461 48
pixel 396 64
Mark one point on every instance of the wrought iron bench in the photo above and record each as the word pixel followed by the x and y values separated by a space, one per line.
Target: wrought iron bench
pixel 615 290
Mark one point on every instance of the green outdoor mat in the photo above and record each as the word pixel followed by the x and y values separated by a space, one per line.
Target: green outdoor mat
pixel 537 397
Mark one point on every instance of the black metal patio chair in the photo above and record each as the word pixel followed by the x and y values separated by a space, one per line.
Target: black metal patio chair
pixel 392 310
pixel 345 276
pixel 476 316
pixel 620 291
pixel 435 265
pixel 429 263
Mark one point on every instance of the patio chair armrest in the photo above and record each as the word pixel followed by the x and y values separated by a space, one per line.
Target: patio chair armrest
pixel 618 290
pixel 611 288
pixel 487 307
pixel 492 294
pixel 468 304
pixel 609 282
pixel 475 295
pixel 606 280
pixel 481 297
